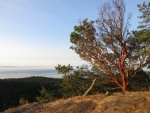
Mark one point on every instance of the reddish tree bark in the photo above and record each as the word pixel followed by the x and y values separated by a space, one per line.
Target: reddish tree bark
pixel 109 46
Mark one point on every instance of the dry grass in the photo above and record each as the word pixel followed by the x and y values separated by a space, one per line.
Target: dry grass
pixel 131 102
pixel 138 102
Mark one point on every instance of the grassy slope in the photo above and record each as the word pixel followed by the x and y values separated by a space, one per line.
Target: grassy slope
pixel 131 102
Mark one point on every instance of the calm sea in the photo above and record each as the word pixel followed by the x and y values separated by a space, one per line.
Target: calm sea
pixel 22 72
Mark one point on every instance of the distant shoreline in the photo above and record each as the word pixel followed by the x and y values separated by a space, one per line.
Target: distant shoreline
pixel 46 67
pixel 23 72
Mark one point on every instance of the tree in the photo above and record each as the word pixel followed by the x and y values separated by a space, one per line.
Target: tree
pixel 75 79
pixel 84 71
pixel 140 82
pixel 143 33
pixel 45 94
pixel 145 10
pixel 108 45
pixel 69 77
pixel 64 69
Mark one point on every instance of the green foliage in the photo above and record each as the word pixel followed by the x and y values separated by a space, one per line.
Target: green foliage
pixel 15 92
pixel 143 34
pixel 82 37
pixel 73 85
pixel 23 101
pixel 78 82
pixel 140 82
pixel 84 29
pixel 64 69
pixel 12 90
pixel 45 95
pixel 145 10
pixel 109 46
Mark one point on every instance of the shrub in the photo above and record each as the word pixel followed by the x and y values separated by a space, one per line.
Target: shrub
pixel 23 101
pixel 45 95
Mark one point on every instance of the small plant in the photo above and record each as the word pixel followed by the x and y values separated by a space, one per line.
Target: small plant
pixel 23 101
pixel 45 94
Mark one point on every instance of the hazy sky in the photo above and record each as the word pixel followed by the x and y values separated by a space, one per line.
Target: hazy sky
pixel 37 32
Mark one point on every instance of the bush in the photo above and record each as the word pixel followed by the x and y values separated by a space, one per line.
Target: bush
pixel 140 82
pixel 23 101
pixel 45 95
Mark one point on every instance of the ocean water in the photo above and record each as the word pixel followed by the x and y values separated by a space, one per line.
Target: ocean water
pixel 22 72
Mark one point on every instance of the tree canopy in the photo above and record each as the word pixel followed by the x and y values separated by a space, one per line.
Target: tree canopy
pixel 144 27
pixel 108 45
pixel 145 10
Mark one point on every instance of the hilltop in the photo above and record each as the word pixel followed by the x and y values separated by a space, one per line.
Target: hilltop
pixel 131 102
